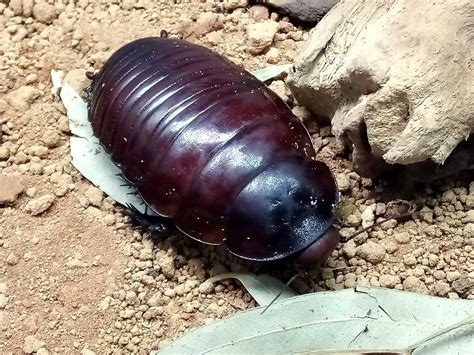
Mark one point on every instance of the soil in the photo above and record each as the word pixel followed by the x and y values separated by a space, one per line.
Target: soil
pixel 75 277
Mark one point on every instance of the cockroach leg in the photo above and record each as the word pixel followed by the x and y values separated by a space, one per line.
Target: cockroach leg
pixel 157 226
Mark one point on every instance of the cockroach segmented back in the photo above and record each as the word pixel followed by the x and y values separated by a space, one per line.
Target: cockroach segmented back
pixel 215 150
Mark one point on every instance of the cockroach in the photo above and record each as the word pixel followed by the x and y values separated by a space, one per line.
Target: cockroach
pixel 214 150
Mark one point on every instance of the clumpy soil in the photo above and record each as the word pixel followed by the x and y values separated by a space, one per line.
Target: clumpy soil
pixel 76 278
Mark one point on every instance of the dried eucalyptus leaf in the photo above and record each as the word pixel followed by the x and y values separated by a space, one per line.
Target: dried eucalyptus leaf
pixel 271 72
pixel 90 158
pixel 263 288
pixel 368 320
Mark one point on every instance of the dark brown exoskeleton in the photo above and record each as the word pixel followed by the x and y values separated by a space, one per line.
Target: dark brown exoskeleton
pixel 216 151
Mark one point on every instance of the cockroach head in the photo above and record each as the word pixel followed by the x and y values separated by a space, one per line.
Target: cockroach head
pixel 287 207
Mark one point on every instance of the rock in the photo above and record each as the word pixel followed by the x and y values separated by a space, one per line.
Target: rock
pixel 349 248
pixel 75 264
pixel 448 196
pixel 155 300
pixel 63 124
pixel 372 252
pixel 31 78
pixel 10 188
pixel 231 5
pixel 402 237
pixel 12 259
pixel 354 220
pixel 303 10
pixel 214 38
pixel 152 313
pixel 77 79
pixel 128 4
pixel 441 288
pixel 16 7
pixel 23 97
pixel 166 264
pixel 207 22
pixel 426 214
pixel 343 182
pixel 108 219
pixel 3 301
pixel 21 158
pixel 453 275
pixel 391 246
pixel 468 231
pixel 380 209
pixel 409 260
pixel 32 344
pixel 463 285
pixel 127 313
pixel 86 351
pixel 94 196
pixel 299 111
pixel 169 292
pixel 4 153
pixel 390 98
pixel 51 138
pixel 389 281
pixel 469 217
pixel 368 216
pixel 273 57
pixel 259 12
pixel 39 151
pixel 279 88
pixel 412 283
pixel 27 7
pixel 62 182
pixel 40 205
pixel 469 200
pixel 260 36
pixel 44 12
pixel 206 287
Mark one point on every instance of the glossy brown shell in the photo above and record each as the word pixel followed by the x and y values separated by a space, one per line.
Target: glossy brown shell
pixel 210 146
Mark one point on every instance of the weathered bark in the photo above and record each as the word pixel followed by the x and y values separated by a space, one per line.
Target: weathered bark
pixel 394 78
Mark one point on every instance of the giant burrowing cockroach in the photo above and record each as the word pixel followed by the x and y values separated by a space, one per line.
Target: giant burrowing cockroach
pixel 213 149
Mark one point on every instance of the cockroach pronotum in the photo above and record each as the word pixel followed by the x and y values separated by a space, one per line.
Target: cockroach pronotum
pixel 214 150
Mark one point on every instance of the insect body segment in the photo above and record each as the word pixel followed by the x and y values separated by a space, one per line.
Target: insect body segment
pixel 211 147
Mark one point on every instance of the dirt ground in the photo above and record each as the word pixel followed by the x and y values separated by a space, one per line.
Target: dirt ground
pixel 75 278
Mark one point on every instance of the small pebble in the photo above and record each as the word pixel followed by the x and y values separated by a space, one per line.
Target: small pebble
pixel 40 205
pixel 260 36
pixel 372 252
pixel 12 259
pixel 389 281
pixel 412 283
pixel 10 189
pixel 32 344
pixel 3 301
pixel 402 237
pixel 94 195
